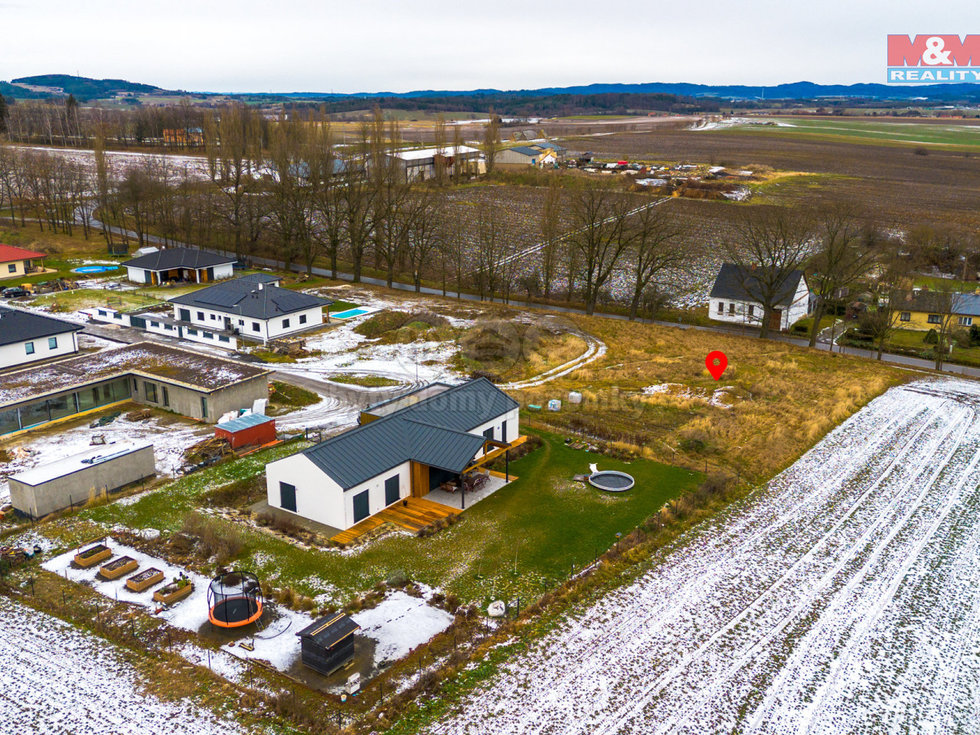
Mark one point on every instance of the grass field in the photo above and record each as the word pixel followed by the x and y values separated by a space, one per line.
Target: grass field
pixel 942 134
pixel 521 541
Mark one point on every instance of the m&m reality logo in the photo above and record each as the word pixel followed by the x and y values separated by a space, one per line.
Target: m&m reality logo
pixel 933 59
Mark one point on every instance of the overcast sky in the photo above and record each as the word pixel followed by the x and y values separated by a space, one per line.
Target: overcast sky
pixel 388 45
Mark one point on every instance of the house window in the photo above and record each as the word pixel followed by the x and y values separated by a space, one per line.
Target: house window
pixel 150 391
pixel 751 310
pixel 905 316
pixel 392 490
pixel 256 327
pixel 29 348
pixel 935 319
pixel 166 396
pixel 53 342
pixel 302 318
pixel 214 317
pixel 287 496
pixel 965 321
pixel 241 322
pixel 488 433
pixel 192 332
pixel 204 407
pixel 721 307
pixel 285 324
pixel 731 309
pixel 200 316
pixel 12 268
pixel 222 338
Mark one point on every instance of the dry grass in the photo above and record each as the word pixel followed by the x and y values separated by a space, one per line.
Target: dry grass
pixel 777 399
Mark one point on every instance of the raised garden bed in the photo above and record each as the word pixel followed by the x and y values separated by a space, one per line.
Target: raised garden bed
pixel 174 591
pixel 118 567
pixel 92 556
pixel 144 580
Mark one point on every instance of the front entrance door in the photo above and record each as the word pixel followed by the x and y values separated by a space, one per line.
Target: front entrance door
pixel 776 319
pixel 361 506
pixel 392 490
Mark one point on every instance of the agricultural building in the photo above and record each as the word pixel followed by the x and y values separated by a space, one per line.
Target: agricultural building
pixel 328 643
pixel 420 164
pixel 73 480
pixel 407 446
pixel 524 156
pixel 252 429
pixel 924 310
pixel 26 337
pixel 179 264
pixel 735 298
pixel 16 262
pixel 252 307
pixel 194 385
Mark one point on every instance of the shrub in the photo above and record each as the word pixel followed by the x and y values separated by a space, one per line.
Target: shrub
pixel 931 338
pixel 213 539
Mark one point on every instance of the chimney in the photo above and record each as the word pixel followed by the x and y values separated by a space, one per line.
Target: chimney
pixel 261 286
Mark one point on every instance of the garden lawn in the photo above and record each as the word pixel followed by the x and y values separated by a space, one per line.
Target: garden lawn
pixel 520 542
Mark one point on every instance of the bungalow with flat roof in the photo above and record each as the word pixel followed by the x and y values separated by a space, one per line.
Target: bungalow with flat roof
pixel 26 337
pixel 15 262
pixel 195 385
pixel 404 448
pixel 255 307
pixel 179 264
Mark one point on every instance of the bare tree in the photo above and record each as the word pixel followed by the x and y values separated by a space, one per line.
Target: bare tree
pixel 550 230
pixel 845 254
pixel 491 140
pixel 600 236
pixel 770 244
pixel 654 247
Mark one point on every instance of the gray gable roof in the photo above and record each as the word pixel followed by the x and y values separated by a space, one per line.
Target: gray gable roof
pixel 739 284
pixel 433 432
pixel 164 260
pixel 248 298
pixel 17 325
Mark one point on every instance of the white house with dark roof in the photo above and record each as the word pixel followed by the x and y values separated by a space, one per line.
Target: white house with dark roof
pixel 179 264
pixel 26 337
pixel 254 307
pixel 735 298
pixel 406 447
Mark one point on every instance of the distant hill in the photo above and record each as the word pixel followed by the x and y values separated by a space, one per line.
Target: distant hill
pixel 85 88
pixel 82 87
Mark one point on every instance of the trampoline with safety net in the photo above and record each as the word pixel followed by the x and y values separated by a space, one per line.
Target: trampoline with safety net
pixel 234 599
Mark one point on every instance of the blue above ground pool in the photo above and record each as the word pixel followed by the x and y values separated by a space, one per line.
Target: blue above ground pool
pixel 96 269
pixel 349 313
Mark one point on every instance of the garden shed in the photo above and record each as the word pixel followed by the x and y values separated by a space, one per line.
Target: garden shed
pixel 252 429
pixel 328 643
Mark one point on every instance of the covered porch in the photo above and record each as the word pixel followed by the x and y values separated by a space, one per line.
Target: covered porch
pixel 474 483
pixel 185 275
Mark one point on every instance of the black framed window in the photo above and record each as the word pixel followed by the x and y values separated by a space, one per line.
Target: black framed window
pixel 287 496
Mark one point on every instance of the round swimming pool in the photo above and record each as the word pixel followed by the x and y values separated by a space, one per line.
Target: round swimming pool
pixel 611 481
pixel 96 269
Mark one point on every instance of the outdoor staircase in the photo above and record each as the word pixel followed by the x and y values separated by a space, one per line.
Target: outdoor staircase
pixel 409 513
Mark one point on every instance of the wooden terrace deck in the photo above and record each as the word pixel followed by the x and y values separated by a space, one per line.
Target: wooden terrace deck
pixel 410 513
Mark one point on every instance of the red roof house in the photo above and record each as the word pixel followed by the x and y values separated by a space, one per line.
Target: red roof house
pixel 16 262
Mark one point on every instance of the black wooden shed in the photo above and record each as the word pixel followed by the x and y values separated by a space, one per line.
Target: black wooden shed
pixel 328 643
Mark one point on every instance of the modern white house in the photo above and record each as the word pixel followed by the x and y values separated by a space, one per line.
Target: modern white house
pixel 251 307
pixel 179 264
pixel 405 447
pixel 26 337
pixel 735 298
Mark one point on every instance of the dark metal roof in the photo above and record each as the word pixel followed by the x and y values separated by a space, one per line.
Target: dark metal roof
pixel 17 325
pixel 527 151
pixel 330 630
pixel 164 260
pixel 741 284
pixel 265 278
pixel 245 297
pixel 433 431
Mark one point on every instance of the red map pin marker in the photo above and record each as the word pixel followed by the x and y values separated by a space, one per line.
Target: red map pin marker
pixel 716 362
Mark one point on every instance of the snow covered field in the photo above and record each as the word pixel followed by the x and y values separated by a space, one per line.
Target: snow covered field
pixel 844 596
pixel 58 680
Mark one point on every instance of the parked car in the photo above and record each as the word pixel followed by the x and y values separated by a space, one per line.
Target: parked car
pixel 15 292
